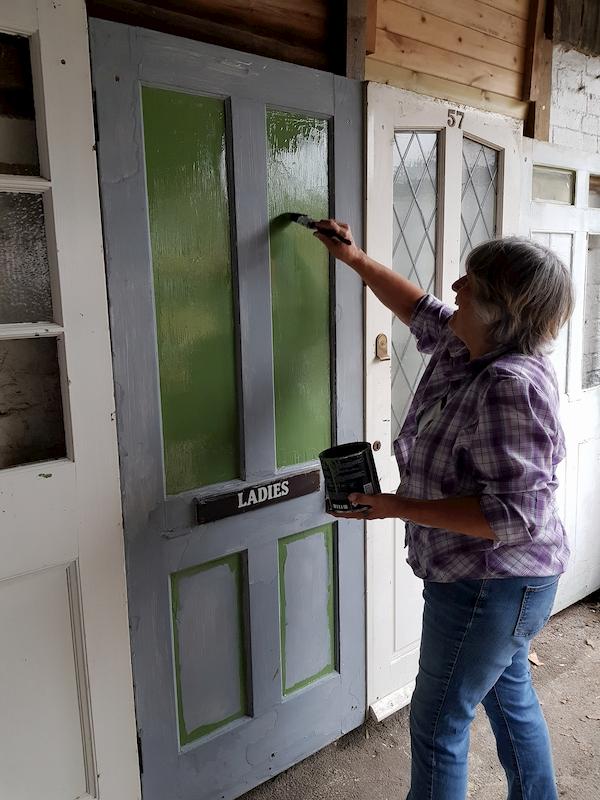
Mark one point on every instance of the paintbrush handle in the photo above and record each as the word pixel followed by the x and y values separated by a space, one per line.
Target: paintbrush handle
pixel 333 235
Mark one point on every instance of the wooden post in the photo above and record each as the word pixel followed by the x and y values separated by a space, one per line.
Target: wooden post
pixel 537 80
pixel 356 37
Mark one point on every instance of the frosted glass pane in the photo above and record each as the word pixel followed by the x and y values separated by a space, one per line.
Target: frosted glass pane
pixel 479 196
pixel 18 143
pixel 562 244
pixel 188 204
pixel 298 180
pixel 591 326
pixel 414 254
pixel 24 275
pixel 552 185
pixel 31 419
pixel 594 192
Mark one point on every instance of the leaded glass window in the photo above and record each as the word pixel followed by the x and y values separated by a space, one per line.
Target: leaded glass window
pixel 414 254
pixel 479 196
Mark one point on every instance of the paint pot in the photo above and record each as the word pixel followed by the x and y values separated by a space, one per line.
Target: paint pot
pixel 348 468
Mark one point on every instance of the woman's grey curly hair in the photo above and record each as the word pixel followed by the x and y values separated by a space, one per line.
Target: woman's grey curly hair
pixel 522 291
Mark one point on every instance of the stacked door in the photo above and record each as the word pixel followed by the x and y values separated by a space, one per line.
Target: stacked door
pixel 560 207
pixel 441 179
pixel 237 357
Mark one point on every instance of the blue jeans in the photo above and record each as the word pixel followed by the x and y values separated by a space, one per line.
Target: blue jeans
pixel 476 636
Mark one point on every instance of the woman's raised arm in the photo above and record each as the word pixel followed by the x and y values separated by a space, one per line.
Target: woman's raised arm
pixel 394 291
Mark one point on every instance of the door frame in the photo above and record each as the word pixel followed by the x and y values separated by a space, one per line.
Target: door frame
pixel 390 109
pixel 72 520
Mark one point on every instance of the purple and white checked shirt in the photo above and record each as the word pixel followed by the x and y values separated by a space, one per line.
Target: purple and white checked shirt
pixel 487 427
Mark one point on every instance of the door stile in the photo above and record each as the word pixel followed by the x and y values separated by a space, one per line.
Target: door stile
pixel 449 192
pixel 250 226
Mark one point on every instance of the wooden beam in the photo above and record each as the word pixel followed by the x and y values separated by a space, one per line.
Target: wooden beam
pixel 356 38
pixel 371 26
pixel 537 78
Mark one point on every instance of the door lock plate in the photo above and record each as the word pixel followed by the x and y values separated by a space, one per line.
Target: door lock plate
pixel 381 347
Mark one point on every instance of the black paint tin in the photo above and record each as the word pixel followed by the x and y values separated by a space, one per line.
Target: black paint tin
pixel 348 468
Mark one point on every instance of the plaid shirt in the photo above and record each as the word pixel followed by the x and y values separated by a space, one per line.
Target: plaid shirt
pixel 487 427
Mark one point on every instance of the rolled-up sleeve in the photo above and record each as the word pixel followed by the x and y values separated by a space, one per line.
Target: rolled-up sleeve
pixel 429 322
pixel 512 459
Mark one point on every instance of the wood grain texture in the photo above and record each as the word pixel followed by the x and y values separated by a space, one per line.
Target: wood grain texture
pixel 279 29
pixel 426 58
pixel 428 28
pixel 432 86
pixel 537 80
pixel 577 22
pixel 519 8
pixel 473 14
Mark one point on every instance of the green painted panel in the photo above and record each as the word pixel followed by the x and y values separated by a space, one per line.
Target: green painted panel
pixel 297 176
pixel 307 607
pixel 186 165
pixel 207 604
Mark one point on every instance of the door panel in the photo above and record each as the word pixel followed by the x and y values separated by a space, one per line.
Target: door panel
pixel 231 368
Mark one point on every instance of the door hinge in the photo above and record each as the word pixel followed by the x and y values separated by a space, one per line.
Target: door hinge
pixel 140 759
pixel 95 116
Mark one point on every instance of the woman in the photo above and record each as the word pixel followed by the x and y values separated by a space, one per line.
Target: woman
pixel 477 458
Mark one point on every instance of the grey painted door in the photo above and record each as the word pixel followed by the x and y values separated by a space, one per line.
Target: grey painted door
pixel 237 356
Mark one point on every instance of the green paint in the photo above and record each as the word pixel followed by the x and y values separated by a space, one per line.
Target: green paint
pixel 297 163
pixel 327 531
pixel 186 165
pixel 234 562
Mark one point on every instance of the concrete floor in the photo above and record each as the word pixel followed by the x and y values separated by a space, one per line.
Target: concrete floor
pixel 373 762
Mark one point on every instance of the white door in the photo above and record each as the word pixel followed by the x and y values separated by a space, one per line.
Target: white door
pixel 440 179
pixel 561 208
pixel 66 723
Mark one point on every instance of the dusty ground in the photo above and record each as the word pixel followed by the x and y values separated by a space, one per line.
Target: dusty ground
pixel 372 763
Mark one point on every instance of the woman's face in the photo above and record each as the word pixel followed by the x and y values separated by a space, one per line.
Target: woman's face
pixel 465 323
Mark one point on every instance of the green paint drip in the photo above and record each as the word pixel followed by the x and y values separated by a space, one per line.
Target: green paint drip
pixel 297 180
pixel 188 205
pixel 234 562
pixel 330 667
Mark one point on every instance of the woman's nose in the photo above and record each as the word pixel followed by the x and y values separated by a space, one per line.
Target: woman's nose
pixel 457 285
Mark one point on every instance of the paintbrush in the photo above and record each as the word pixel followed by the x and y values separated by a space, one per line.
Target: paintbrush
pixel 308 222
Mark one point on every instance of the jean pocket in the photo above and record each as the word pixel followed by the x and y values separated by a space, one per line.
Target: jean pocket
pixel 536 607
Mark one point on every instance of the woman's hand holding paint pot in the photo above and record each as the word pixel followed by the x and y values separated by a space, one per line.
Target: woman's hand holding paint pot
pixel 348 253
pixel 374 506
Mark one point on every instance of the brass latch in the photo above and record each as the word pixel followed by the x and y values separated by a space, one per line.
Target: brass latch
pixel 381 347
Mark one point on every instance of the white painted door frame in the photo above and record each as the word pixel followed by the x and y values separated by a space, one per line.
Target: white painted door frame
pixel 61 540
pixel 394 602
pixel 580 408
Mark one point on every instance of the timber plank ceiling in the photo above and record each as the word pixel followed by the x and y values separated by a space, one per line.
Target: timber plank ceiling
pixel 472 51
pixel 307 32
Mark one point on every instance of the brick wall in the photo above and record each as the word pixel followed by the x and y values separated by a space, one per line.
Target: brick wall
pixel 575 111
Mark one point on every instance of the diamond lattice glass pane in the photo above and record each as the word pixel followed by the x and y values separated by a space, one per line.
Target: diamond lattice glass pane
pixel 24 274
pixel 414 253
pixel 479 196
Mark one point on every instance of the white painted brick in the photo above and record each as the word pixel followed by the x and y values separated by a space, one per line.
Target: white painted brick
pixel 574 101
pixel 590 142
pixel 590 124
pixel 593 88
pixel 563 118
pixel 569 58
pixel 567 138
pixel 570 80
pixel 592 66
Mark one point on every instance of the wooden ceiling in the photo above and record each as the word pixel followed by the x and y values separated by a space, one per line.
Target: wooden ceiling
pixel 307 32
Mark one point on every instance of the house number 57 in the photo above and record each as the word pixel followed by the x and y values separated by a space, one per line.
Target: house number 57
pixel 455 118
